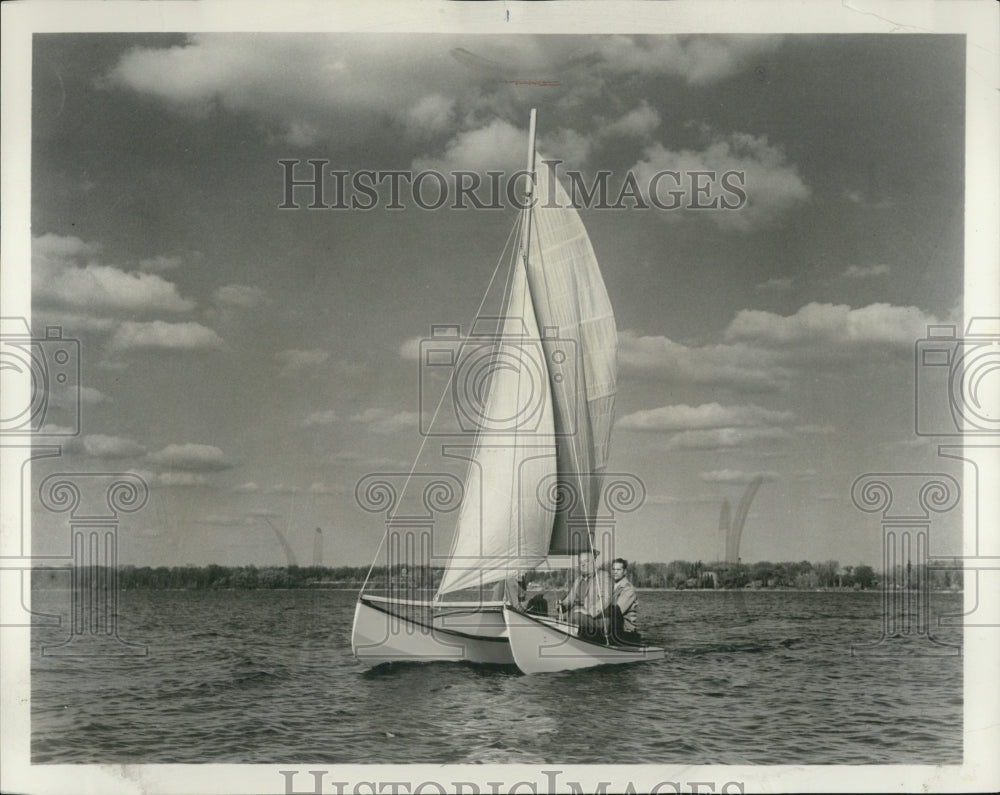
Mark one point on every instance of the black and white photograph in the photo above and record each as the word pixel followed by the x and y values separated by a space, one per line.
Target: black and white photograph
pixel 500 397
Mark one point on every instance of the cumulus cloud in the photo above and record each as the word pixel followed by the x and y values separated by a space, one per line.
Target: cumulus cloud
pixel 640 122
pixel 323 488
pixel 771 184
pixel 777 283
pixel 829 326
pixel 387 422
pixel 712 426
pixel 180 479
pixel 432 113
pixel 170 480
pixel 64 273
pixel 708 415
pixel 73 322
pixel 725 438
pixel 410 349
pixel 101 446
pixel 741 366
pixel 326 417
pixel 239 296
pixel 161 335
pixel 191 458
pixel 62 398
pixel 295 361
pixel 495 146
pixel 699 60
pixel 865 272
pixel 736 476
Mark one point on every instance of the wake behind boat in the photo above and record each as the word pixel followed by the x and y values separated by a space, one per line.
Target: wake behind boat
pixel 538 387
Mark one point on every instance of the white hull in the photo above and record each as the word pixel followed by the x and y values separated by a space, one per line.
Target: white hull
pixel 544 645
pixel 477 635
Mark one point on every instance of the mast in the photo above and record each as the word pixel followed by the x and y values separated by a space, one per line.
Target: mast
pixel 530 169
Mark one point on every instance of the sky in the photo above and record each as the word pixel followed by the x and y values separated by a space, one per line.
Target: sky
pixel 253 363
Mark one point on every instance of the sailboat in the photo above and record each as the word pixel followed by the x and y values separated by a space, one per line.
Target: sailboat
pixel 536 468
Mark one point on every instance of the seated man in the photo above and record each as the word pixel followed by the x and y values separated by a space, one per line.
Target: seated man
pixel 625 606
pixel 589 599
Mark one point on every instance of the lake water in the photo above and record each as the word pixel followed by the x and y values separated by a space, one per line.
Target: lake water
pixel 268 676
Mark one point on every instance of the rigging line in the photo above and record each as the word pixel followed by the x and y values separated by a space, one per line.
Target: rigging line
pixel 522 263
pixel 423 440
pixel 515 518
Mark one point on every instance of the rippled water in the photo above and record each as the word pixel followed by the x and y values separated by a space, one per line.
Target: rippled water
pixel 268 676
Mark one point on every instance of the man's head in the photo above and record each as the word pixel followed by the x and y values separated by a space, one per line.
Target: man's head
pixel 585 560
pixel 619 568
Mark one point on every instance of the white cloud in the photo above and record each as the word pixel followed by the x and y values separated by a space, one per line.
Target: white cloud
pixel 101 446
pixel 410 349
pixel 327 85
pixel 706 416
pixel 62 398
pixel 191 458
pixel 90 396
pixel 829 326
pixel 60 276
pixel 725 438
pixel 497 146
pixel 284 488
pixel 295 361
pixel 640 122
pixel 322 82
pixel 777 283
pixel 866 272
pixel 246 488
pixel 699 60
pixel 64 247
pixel 171 479
pixel 164 336
pixel 387 422
pixel 73 322
pixel 736 476
pixel 322 488
pixel 771 184
pixel 327 417
pixel 737 365
pixel 180 479
pixel 240 296
pixel 432 113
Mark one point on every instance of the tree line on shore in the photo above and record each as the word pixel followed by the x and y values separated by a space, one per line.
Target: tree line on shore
pixel 678 574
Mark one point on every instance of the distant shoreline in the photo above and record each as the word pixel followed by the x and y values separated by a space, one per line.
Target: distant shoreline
pixel 675 576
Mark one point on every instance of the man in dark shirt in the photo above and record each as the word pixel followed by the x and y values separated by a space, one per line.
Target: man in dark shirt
pixel 624 605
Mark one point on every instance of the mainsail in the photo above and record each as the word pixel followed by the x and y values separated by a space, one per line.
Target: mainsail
pixel 572 304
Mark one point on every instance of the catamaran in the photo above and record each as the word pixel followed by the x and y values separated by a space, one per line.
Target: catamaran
pixel 536 469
